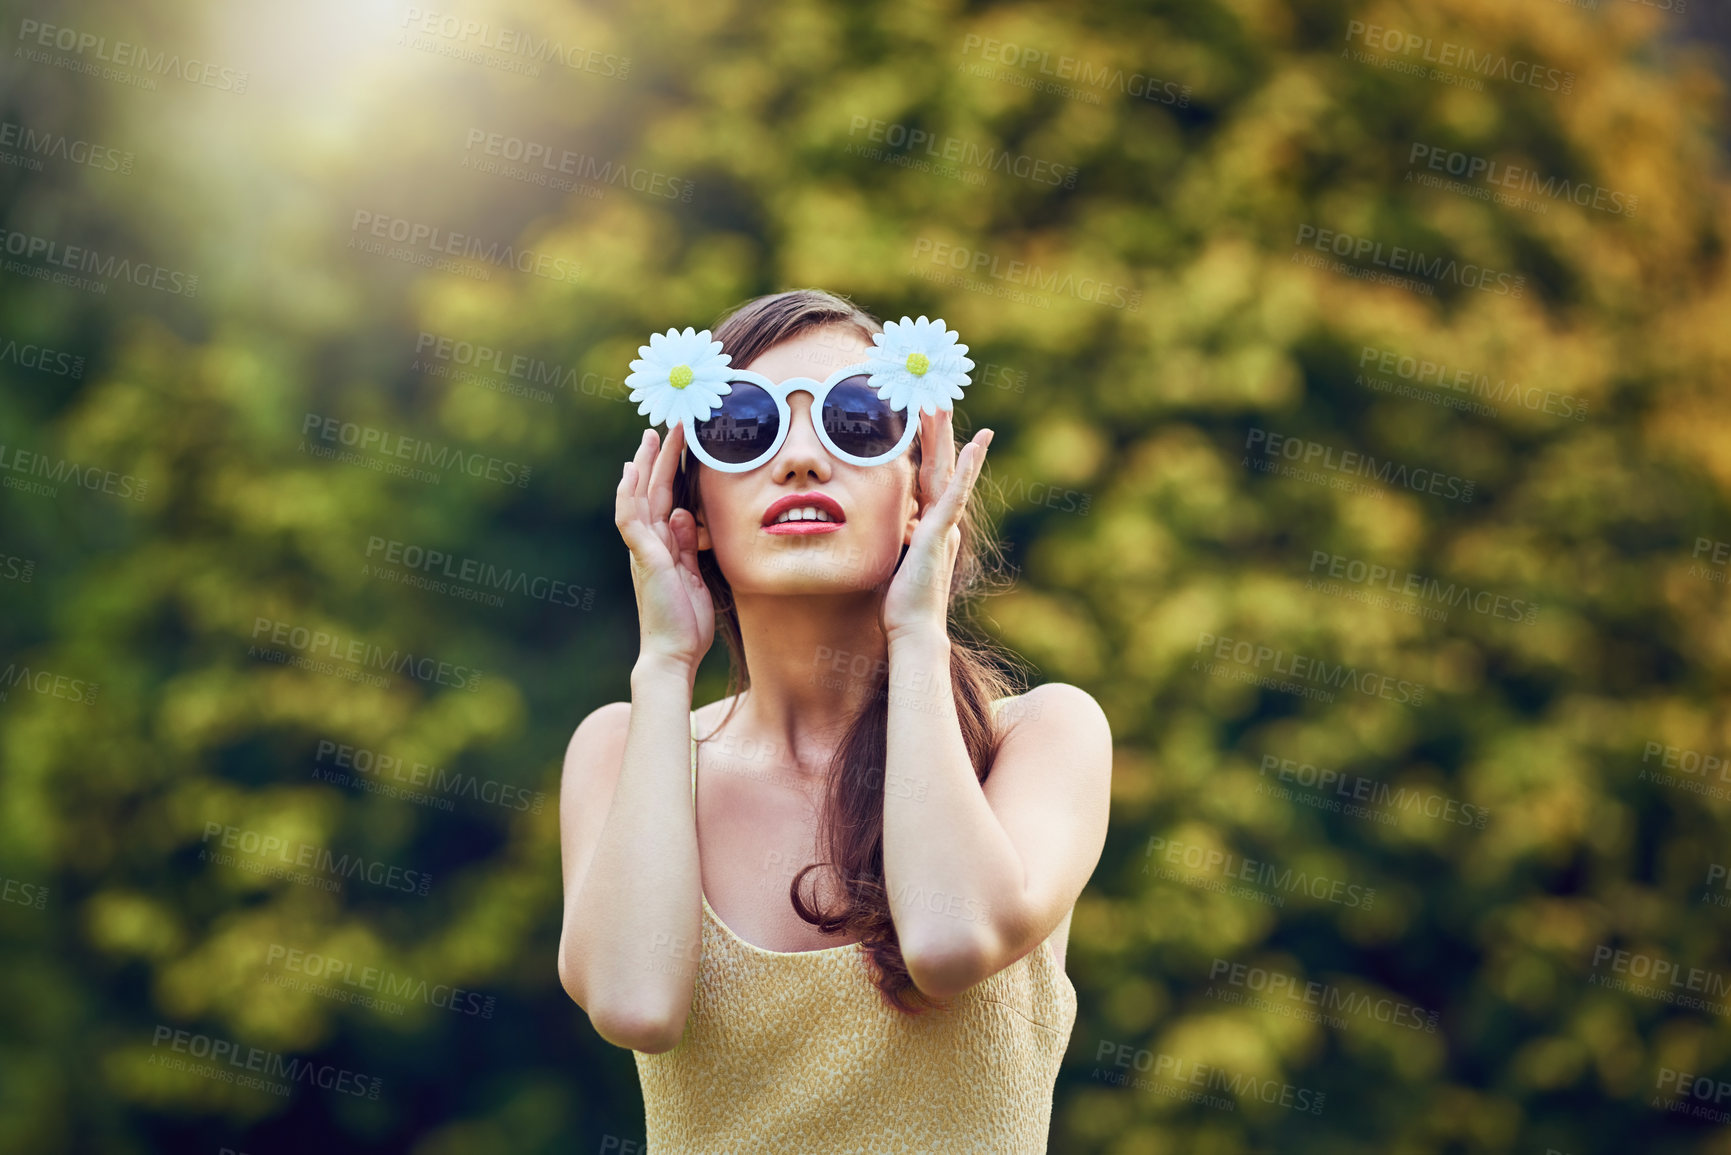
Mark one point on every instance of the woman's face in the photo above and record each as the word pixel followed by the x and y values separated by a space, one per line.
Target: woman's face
pixel 879 509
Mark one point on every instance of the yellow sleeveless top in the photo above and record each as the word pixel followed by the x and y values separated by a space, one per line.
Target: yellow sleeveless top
pixel 794 1053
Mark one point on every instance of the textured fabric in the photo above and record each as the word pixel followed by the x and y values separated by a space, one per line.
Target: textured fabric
pixel 793 1053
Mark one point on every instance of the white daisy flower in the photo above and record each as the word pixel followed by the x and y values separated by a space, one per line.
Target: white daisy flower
pixel 679 374
pixel 918 363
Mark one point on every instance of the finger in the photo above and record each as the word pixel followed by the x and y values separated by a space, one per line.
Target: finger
pixel 940 456
pixel 622 493
pixel 635 472
pixel 653 456
pixel 661 479
pixel 937 458
pixel 971 460
pixel 944 421
pixel 685 535
pixel 625 515
pixel 632 506
pixel 645 461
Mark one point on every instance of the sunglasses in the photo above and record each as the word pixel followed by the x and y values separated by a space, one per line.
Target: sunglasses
pixel 735 420
pixel 751 424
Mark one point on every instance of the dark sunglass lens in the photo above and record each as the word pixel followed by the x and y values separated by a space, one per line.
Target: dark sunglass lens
pixel 743 428
pixel 859 421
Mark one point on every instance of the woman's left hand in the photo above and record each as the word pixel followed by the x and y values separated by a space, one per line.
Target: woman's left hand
pixel 918 600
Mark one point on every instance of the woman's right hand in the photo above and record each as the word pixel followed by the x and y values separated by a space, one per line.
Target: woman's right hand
pixel 674 610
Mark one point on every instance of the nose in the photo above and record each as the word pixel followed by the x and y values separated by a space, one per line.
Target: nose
pixel 802 452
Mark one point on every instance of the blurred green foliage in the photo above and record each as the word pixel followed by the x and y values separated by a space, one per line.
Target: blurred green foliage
pixel 728 150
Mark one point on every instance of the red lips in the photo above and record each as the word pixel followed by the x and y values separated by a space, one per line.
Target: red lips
pixel 827 505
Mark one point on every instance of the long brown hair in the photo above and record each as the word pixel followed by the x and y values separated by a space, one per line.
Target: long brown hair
pixel 850 827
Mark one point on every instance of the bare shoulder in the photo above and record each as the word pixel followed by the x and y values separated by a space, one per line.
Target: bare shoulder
pixel 598 742
pixel 593 758
pixel 602 731
pixel 1056 749
pixel 1054 710
pixel 1050 787
pixel 709 717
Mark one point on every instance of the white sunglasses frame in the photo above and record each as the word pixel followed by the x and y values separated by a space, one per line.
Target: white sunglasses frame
pixel 819 391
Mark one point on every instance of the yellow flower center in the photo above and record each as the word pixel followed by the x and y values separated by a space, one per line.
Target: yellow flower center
pixel 681 376
pixel 918 363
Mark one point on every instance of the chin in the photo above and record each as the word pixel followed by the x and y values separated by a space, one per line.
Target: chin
pixel 820 564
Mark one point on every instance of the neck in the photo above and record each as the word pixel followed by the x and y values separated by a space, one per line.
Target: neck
pixel 814 660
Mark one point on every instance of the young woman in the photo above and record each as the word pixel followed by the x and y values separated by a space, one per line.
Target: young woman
pixel 827 913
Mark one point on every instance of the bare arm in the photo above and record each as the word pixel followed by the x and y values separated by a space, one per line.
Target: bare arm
pixel 978 877
pixel 628 945
pixel 628 949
